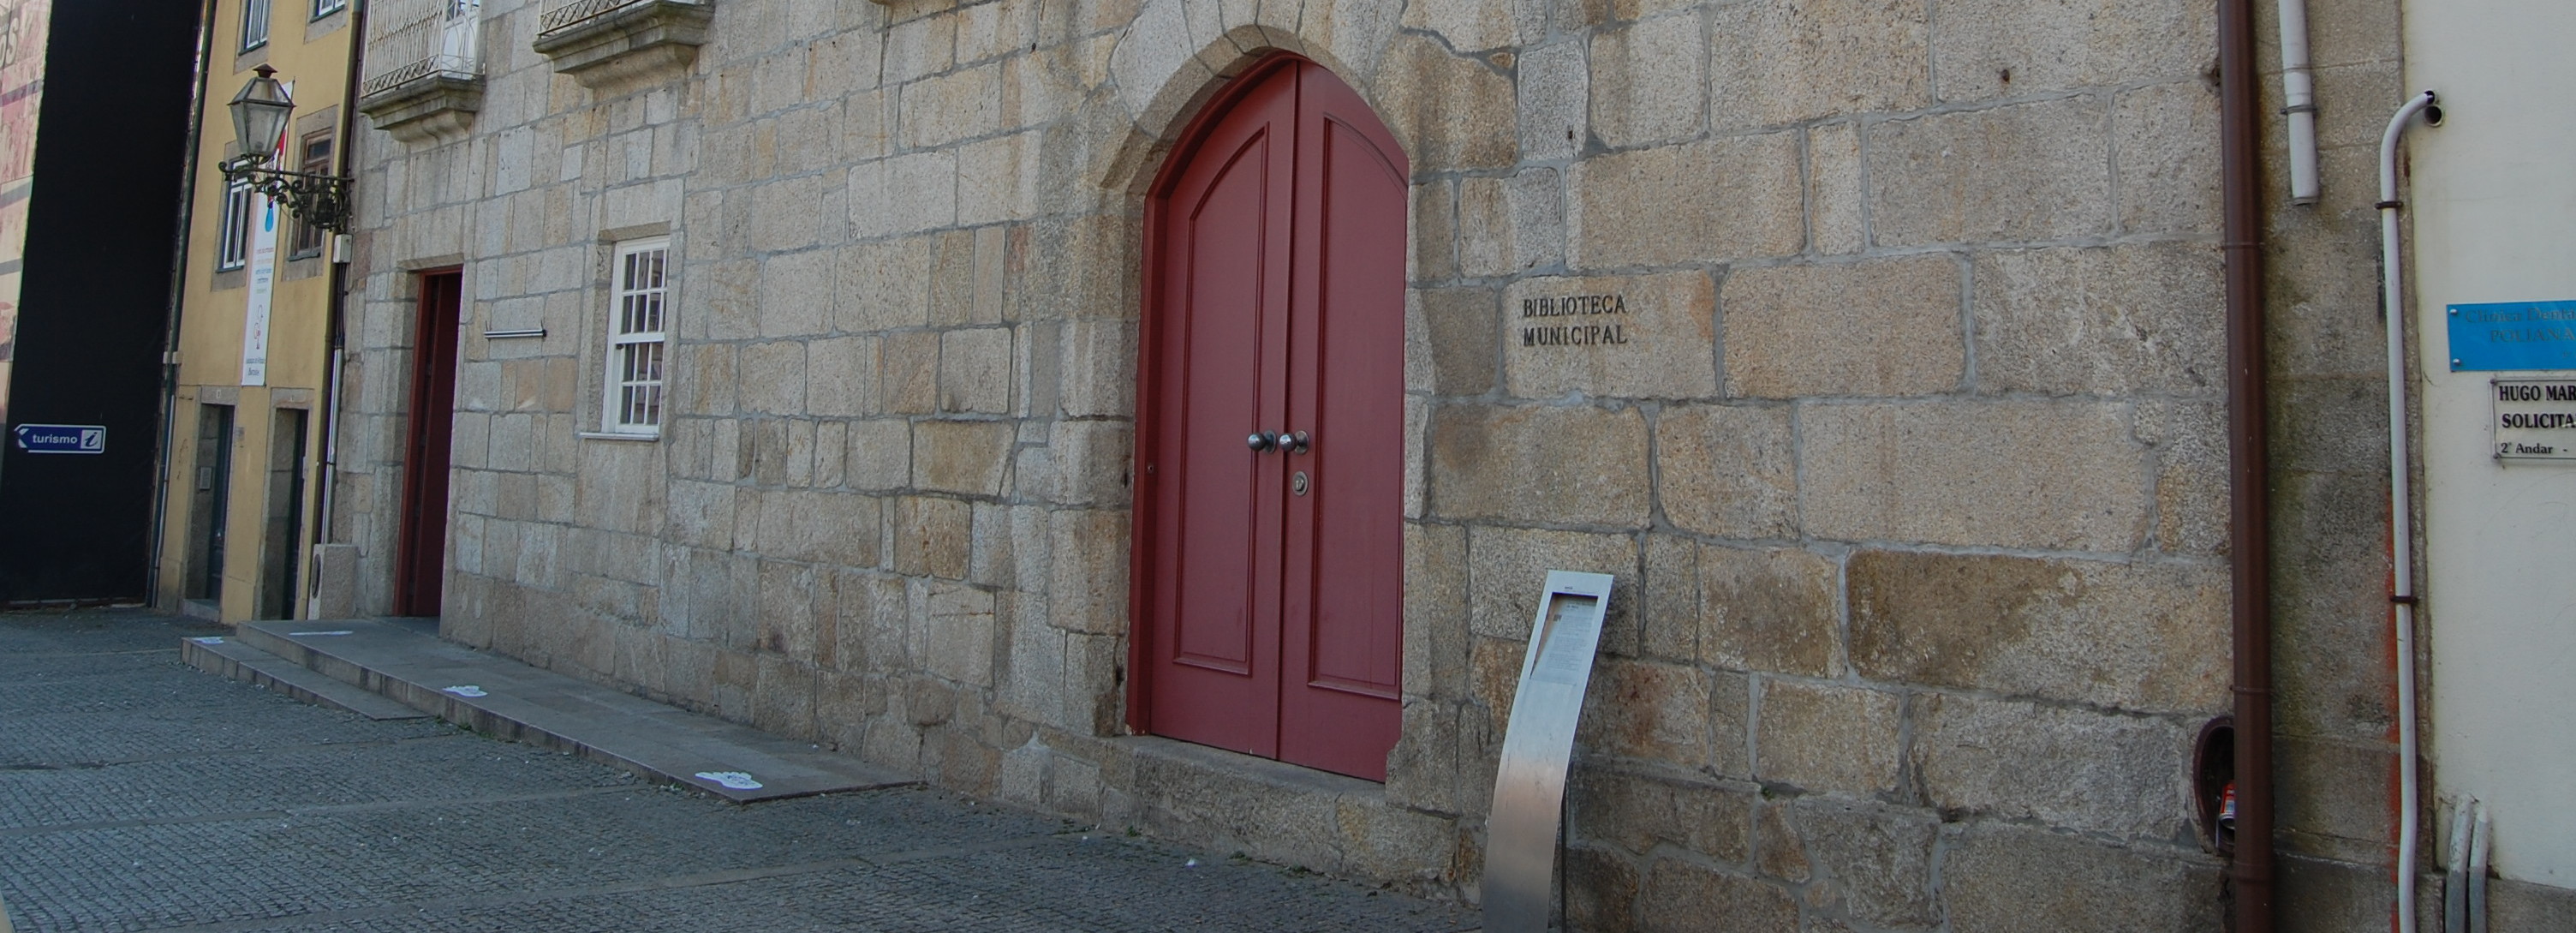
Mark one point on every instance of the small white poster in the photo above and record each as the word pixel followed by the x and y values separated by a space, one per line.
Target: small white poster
pixel 263 279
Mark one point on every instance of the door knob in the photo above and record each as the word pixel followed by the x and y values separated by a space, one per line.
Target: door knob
pixel 1261 441
pixel 1295 443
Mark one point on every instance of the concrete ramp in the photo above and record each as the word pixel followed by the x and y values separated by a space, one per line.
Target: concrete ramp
pixel 403 661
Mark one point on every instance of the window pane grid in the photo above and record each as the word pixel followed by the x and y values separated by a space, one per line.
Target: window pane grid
pixel 317 160
pixel 636 338
pixel 254 24
pixel 232 240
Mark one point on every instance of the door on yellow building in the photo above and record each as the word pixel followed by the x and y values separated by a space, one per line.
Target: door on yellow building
pixel 284 525
pixel 207 503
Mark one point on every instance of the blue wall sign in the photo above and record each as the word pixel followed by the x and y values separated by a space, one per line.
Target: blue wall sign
pixel 2513 335
pixel 62 438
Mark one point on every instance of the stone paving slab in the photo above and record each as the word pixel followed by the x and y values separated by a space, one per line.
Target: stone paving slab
pixel 281 778
pixel 94 631
pixel 496 695
pixel 288 817
pixel 51 682
pixel 216 654
pixel 54 738
pixel 975 891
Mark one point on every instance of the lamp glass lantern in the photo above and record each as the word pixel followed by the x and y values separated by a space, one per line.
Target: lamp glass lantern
pixel 260 113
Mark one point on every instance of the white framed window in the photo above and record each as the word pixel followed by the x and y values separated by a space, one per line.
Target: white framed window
pixel 232 238
pixel 316 160
pixel 254 24
pixel 640 286
pixel 322 8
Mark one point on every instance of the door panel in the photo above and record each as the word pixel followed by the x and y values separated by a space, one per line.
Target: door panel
pixel 1273 595
pixel 1359 479
pixel 281 541
pixel 1344 622
pixel 209 508
pixel 1218 513
pixel 1215 607
pixel 422 568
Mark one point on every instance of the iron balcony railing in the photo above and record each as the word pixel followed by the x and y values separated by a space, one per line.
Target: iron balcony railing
pixel 566 14
pixel 409 40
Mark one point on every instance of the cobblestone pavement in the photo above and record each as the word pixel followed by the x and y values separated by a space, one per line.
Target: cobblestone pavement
pixel 139 794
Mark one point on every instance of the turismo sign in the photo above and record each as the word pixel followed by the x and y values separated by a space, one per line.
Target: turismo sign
pixel 62 438
pixel 2513 335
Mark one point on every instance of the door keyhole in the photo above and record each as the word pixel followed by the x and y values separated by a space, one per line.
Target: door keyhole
pixel 1297 483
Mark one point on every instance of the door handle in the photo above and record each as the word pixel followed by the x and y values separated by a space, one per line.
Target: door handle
pixel 1296 443
pixel 1261 441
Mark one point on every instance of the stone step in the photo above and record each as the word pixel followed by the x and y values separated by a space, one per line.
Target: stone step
pixel 511 700
pixel 236 660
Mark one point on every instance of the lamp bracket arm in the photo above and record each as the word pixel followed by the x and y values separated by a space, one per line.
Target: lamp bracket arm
pixel 317 199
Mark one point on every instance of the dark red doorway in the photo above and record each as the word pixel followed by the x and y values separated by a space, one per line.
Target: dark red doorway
pixel 421 571
pixel 1270 551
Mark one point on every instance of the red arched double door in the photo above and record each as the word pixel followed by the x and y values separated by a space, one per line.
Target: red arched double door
pixel 1270 554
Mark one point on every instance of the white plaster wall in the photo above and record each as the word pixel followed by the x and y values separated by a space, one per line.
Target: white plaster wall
pixel 2494 200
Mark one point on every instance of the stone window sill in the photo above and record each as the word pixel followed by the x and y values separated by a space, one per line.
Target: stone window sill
pixel 619 436
pixel 607 42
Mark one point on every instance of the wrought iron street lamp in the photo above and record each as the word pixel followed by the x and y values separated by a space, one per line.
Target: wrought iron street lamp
pixel 260 113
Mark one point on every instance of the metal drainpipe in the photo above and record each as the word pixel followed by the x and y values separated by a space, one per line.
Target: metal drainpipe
pixel 2299 99
pixel 178 302
pixel 2249 504
pixel 336 351
pixel 2401 510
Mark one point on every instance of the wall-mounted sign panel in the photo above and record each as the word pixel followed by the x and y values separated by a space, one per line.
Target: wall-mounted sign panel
pixel 2535 419
pixel 62 438
pixel 2511 335
pixel 1529 782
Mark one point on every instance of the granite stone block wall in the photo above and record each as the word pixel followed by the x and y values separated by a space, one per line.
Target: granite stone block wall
pixel 2335 660
pixel 1872 345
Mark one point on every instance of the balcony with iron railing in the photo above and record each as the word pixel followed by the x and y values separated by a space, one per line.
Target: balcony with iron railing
pixel 605 43
pixel 424 73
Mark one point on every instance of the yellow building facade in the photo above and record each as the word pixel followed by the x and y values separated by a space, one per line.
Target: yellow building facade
pixel 249 415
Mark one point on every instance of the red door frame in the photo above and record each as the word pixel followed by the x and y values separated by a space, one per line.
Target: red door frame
pixel 1150 375
pixel 420 571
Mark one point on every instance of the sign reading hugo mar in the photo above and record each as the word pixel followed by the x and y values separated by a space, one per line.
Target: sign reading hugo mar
pixel 2535 419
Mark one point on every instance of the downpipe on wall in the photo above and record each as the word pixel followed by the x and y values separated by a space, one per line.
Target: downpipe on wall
pixel 2299 101
pixel 2249 534
pixel 328 472
pixel 2401 594
pixel 2464 889
pixel 2250 865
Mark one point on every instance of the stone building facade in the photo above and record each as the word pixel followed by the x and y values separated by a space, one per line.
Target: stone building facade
pixel 1908 455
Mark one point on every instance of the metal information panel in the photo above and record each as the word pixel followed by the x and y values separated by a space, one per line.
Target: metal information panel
pixel 2513 335
pixel 2535 419
pixel 62 438
pixel 1529 786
